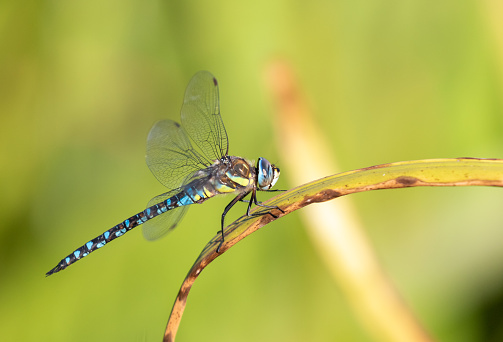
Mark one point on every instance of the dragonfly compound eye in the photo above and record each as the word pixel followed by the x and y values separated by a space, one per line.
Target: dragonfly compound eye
pixel 265 174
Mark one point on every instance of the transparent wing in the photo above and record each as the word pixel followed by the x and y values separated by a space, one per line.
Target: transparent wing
pixel 164 223
pixel 201 116
pixel 170 155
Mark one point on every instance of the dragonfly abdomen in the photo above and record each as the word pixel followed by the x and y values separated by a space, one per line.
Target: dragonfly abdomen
pixel 100 241
pixel 188 196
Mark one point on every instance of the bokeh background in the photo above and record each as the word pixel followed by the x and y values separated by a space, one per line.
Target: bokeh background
pixel 82 82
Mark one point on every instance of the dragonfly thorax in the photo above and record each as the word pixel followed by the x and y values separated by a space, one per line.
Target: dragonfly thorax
pixel 233 174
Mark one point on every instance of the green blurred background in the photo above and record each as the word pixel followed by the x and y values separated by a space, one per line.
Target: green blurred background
pixel 82 82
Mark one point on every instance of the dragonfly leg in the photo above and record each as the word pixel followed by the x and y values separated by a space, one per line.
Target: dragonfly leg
pixel 254 200
pixel 273 206
pixel 226 210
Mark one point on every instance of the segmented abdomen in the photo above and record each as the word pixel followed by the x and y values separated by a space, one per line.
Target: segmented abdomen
pixel 188 196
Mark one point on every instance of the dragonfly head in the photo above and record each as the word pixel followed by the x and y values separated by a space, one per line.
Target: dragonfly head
pixel 267 174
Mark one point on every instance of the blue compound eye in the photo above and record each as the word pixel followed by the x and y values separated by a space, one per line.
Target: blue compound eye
pixel 267 174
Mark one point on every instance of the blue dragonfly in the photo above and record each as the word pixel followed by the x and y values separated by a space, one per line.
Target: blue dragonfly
pixel 191 174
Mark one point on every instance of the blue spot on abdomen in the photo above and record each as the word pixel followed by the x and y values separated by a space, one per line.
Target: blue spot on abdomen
pixel 120 232
pixel 185 200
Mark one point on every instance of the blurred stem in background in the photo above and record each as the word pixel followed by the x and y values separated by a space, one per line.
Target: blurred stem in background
pixel 333 226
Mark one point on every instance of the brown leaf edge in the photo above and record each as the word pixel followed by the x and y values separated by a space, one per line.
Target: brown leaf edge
pixel 429 172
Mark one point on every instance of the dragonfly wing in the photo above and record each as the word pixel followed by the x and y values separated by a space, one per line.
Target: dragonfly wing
pixel 166 222
pixel 170 155
pixel 201 116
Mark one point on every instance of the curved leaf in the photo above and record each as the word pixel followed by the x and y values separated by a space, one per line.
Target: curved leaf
pixel 429 172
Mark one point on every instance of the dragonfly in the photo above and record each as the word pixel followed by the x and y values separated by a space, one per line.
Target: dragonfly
pixel 192 161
